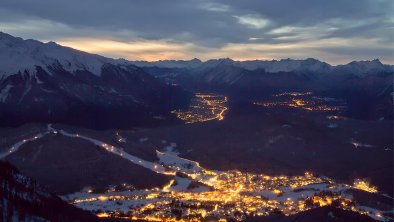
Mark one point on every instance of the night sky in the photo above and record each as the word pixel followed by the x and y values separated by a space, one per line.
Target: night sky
pixel 336 31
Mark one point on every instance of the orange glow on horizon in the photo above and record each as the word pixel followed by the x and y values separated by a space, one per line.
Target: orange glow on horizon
pixel 133 50
pixel 155 50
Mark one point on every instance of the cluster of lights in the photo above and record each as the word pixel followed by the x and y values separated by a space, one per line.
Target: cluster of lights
pixel 16 146
pixel 298 103
pixel 364 185
pixel 300 100
pixel 204 107
pixel 294 94
pixel 231 195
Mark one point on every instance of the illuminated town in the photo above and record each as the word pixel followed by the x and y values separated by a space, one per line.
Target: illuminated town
pixel 204 107
pixel 195 193
pixel 303 101
pixel 225 196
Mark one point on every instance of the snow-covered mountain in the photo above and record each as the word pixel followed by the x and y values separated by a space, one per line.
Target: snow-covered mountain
pixel 367 86
pixel 310 65
pixel 284 65
pixel 362 68
pixel 18 55
pixel 23 199
pixel 170 63
pixel 230 72
pixel 48 82
pixel 288 65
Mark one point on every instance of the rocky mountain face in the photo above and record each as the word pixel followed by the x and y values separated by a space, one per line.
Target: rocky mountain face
pixel 22 199
pixel 48 82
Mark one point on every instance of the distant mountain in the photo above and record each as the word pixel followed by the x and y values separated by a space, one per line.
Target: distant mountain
pixel 362 68
pixel 284 65
pixel 366 86
pixel 22 199
pixel 48 82
pixel 288 65
pixel 169 63
pixel 229 72
pixel 232 79
pixel 223 73
pixel 309 65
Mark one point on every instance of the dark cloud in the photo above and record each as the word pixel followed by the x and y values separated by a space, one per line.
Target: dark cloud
pixel 312 11
pixel 206 23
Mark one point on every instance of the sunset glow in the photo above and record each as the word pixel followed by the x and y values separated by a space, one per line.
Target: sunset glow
pixel 154 50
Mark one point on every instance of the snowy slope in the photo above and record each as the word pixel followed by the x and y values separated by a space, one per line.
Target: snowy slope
pixel 362 68
pixel 49 82
pixel 287 65
pixel 21 55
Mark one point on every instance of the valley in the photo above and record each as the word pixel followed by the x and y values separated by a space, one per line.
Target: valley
pixel 196 193
pixel 191 140
pixel 204 107
pixel 202 190
pixel 305 101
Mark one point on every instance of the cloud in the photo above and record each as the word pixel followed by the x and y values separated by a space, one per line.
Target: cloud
pixel 215 7
pixel 150 50
pixel 253 21
pixel 207 28
pixel 333 50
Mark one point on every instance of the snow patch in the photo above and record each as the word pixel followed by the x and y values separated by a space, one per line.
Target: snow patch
pixel 178 163
pixel 4 93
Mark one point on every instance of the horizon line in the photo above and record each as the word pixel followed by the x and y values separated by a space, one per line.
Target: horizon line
pixel 74 47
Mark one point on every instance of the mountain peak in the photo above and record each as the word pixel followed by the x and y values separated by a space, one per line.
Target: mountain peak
pixel 195 60
pixel 52 43
pixel 364 67
pixel 312 60
pixel 17 54
pixel 376 61
pixel 5 35
pixel 226 60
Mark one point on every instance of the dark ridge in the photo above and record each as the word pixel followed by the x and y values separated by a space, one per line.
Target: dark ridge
pixel 22 198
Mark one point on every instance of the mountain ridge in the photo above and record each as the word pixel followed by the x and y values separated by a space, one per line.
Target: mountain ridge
pixel 290 64
pixel 70 62
pixel 23 199
pixel 46 82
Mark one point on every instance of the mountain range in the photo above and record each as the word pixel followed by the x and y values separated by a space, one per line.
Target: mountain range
pixel 366 86
pixel 48 82
pixel 309 65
